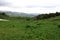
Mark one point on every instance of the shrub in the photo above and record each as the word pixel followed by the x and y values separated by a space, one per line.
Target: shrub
pixel 27 19
pixel 28 26
pixel 46 16
pixel 13 25
pixel 58 26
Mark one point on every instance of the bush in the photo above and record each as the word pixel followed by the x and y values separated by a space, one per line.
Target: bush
pixel 27 19
pixel 46 16
pixel 28 26
pixel 3 15
pixel 58 26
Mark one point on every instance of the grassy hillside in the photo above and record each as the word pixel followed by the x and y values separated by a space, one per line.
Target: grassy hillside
pixel 21 29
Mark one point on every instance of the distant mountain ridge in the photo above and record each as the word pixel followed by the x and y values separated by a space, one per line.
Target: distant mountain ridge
pixel 10 13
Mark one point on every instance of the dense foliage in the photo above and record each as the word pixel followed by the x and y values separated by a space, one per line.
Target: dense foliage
pixel 3 15
pixel 46 16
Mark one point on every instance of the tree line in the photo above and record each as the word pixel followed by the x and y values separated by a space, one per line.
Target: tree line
pixel 38 17
pixel 3 15
pixel 46 16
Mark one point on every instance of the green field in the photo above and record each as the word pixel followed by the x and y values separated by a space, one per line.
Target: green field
pixel 21 29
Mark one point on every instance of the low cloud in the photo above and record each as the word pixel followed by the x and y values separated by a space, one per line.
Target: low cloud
pixel 4 3
pixel 33 6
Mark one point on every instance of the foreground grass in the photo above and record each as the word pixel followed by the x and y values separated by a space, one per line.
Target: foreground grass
pixel 47 29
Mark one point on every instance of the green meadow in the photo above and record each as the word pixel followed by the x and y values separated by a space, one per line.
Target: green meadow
pixel 23 29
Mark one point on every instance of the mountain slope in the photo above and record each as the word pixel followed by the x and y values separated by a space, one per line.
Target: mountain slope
pixel 19 14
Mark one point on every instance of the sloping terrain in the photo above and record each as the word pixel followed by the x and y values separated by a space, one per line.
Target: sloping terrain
pixel 19 29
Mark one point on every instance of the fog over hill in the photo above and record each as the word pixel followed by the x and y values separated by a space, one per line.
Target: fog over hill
pixel 10 13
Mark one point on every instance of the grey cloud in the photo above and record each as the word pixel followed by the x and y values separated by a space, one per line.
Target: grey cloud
pixel 4 3
pixel 30 6
pixel 49 6
pixel 52 6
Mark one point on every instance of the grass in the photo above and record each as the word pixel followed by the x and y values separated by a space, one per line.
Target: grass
pixel 19 29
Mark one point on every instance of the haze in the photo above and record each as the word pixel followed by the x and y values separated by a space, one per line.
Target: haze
pixel 30 6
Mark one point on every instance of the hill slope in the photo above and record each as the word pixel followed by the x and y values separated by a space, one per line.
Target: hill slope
pixel 47 29
pixel 17 14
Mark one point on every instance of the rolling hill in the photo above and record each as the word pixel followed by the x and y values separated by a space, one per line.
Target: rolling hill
pixel 17 14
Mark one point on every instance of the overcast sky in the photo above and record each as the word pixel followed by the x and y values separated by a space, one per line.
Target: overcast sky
pixel 30 6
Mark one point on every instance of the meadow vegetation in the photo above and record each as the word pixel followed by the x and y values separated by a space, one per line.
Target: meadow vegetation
pixel 41 27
